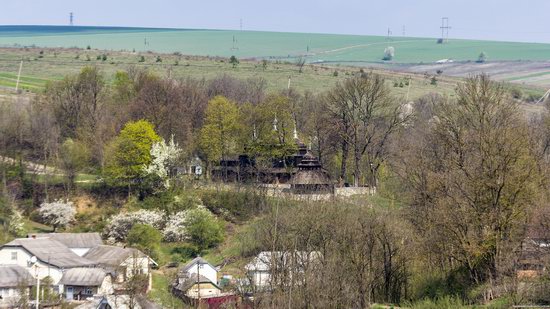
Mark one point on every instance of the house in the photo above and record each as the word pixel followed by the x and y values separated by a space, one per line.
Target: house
pixel 13 280
pixel 286 265
pixel 200 266
pixel 122 263
pixel 79 243
pixel 83 283
pixel 197 279
pixel 52 257
pixel 80 266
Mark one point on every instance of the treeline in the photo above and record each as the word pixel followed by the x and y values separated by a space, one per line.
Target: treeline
pixel 471 176
pixel 73 123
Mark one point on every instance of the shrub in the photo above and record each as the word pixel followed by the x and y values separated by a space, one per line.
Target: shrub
pixel 389 53
pixel 58 213
pixel 482 57
pixel 141 59
pixel 121 224
pixel 205 230
pixel 335 74
pixel 145 238
pixel 234 61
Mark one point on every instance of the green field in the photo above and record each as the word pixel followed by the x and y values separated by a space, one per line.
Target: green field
pixel 270 45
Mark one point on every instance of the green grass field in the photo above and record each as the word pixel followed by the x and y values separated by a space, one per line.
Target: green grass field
pixel 271 45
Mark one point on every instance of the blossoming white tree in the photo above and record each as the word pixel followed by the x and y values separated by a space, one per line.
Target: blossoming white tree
pixel 163 157
pixel 121 224
pixel 58 213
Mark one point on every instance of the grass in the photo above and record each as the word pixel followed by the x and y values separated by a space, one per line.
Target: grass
pixel 161 291
pixel 271 45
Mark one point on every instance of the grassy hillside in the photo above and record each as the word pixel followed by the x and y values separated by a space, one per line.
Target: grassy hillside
pixel 255 44
pixel 42 65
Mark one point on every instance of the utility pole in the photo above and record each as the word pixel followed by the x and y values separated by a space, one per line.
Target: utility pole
pixel 389 33
pixel 445 29
pixel 19 76
pixel 241 24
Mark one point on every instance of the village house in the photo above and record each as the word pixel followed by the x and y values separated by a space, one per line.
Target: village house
pixel 285 266
pixel 79 265
pixel 197 279
pixel 14 280
pixel 122 263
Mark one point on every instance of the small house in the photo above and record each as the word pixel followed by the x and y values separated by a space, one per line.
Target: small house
pixel 84 283
pixel 202 267
pixel 122 263
pixel 14 279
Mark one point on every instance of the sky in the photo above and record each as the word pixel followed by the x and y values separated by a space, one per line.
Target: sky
pixel 503 20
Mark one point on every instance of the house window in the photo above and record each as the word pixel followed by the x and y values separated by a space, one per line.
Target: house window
pixel 89 291
pixel 14 256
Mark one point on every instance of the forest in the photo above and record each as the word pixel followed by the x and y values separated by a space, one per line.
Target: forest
pixel 459 217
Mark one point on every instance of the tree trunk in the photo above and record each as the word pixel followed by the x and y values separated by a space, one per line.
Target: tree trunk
pixel 344 165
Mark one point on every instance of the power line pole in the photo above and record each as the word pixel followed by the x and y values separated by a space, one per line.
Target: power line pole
pixel 445 29
pixel 71 18
pixel 403 30
pixel 389 33
pixel 241 24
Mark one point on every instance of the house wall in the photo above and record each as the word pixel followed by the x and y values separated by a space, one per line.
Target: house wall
pixel 106 287
pixel 206 271
pixel 80 251
pixel 260 278
pixel 137 265
pixel 80 292
pixel 23 257
pixel 206 290
pixel 10 296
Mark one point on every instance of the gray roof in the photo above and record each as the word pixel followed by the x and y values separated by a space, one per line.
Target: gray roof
pixel 83 277
pixel 111 255
pixel 73 240
pixel 13 275
pixel 197 260
pixel 51 252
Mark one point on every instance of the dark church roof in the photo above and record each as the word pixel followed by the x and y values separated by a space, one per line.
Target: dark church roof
pixel 310 172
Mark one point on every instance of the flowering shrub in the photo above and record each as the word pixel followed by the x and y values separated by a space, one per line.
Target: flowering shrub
pixel 163 157
pixel 120 224
pixel 58 213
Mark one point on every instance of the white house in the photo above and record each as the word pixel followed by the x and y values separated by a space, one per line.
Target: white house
pixel 52 257
pixel 198 279
pixel 13 280
pixel 260 269
pixel 84 283
pixel 122 263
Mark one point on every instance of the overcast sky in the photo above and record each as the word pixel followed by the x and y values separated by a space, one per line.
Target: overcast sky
pixel 511 20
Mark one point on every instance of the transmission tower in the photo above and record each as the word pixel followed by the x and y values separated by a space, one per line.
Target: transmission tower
pixel 389 34
pixel 241 24
pixel 404 32
pixel 71 18
pixel 445 29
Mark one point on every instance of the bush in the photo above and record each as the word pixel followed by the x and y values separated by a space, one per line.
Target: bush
pixel 389 53
pixel 205 230
pixel 234 206
pixel 185 252
pixel 145 238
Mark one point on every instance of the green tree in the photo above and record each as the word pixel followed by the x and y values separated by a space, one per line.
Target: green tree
pixel 270 128
pixel 221 129
pixel 73 157
pixel 204 229
pixel 234 61
pixel 145 238
pixel 130 151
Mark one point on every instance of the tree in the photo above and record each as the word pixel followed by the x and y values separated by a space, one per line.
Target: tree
pixel 482 57
pixel 130 151
pixel 74 156
pixel 473 180
pixel 389 53
pixel 234 61
pixel 218 137
pixel 164 157
pixel 58 213
pixel 300 62
pixel 365 116
pixel 204 229
pixel 146 238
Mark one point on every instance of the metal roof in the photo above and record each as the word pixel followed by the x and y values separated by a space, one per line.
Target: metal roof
pixel 73 240
pixel 83 277
pixel 111 255
pixel 14 275
pixel 51 252
pixel 197 260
